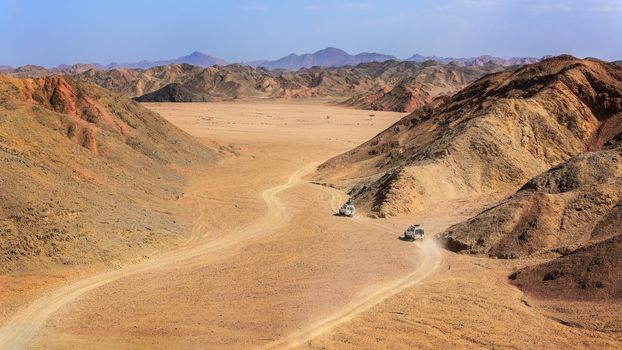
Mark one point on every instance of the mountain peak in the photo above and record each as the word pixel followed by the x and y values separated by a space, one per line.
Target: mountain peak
pixel 196 54
pixel 196 58
pixel 327 57
pixel 331 49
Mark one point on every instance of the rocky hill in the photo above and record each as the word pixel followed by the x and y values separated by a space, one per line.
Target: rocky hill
pixel 572 205
pixel 221 83
pixel 238 82
pixel 86 175
pixel 593 272
pixel 389 85
pixel 125 81
pixel 480 61
pixel 136 82
pixel 421 87
pixel 176 92
pixel 492 136
pixel 27 71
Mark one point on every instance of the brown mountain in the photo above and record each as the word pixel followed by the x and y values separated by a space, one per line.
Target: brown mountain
pixel 423 81
pixel 86 175
pixel 217 84
pixel 28 71
pixel 481 60
pixel 593 272
pixel 492 136
pixel 32 71
pixel 213 83
pixel 389 85
pixel 136 82
pixel 572 205
pixel 175 92
pixel 73 69
pixel 421 87
pixel 128 82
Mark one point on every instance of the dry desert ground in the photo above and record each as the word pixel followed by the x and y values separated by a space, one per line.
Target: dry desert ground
pixel 267 264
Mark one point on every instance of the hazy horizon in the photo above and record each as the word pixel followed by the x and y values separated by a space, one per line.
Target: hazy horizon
pixel 101 32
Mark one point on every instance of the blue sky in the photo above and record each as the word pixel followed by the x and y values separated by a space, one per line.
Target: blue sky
pixel 53 32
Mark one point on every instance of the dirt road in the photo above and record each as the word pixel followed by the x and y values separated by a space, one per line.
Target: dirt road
pixel 23 326
pixel 21 329
pixel 364 300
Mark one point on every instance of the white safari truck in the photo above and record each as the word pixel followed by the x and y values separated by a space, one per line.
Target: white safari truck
pixel 414 233
pixel 347 209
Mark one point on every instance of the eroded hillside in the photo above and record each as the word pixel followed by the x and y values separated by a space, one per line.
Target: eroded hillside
pixel 572 205
pixel 375 84
pixel 419 88
pixel 492 136
pixel 86 175
pixel 589 273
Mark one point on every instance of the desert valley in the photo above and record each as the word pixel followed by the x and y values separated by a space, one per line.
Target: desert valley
pixel 194 203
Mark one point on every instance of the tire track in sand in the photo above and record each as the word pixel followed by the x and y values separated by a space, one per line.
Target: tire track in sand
pixel 367 298
pixel 23 326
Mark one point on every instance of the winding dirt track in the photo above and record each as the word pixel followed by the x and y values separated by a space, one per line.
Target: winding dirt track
pixel 364 300
pixel 370 296
pixel 23 326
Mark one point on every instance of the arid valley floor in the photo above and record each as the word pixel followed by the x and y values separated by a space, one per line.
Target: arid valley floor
pixel 266 264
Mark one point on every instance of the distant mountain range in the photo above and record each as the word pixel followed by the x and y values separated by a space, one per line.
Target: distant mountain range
pixel 328 57
pixel 196 59
pixel 479 60
pixel 373 83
